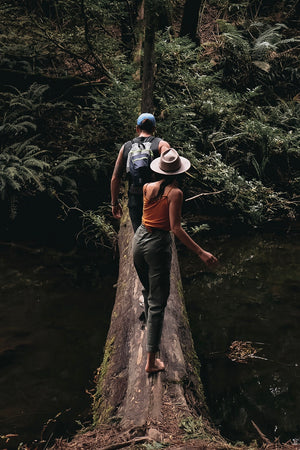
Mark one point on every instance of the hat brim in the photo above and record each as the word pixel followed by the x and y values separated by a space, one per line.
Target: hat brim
pixel 184 166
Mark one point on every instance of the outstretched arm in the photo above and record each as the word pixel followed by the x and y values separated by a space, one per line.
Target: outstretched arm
pixel 175 205
pixel 115 186
pixel 162 146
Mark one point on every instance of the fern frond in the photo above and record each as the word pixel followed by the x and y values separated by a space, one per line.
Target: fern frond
pixel 31 175
pixel 13 181
pixel 2 185
pixel 33 163
pixel 16 129
pixel 36 92
pixel 66 164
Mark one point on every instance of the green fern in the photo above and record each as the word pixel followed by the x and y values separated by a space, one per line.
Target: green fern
pixel 20 173
pixel 21 126
pixel 96 230
pixel 245 51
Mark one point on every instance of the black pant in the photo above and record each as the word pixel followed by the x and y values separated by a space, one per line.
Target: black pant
pixel 135 206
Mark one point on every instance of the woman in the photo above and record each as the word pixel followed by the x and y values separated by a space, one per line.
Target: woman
pixel 152 245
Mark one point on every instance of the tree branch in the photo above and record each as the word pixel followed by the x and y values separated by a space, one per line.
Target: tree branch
pixel 89 44
pixel 66 50
pixel 264 438
pixel 204 193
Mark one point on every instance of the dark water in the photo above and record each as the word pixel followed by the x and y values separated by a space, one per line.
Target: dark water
pixel 54 313
pixel 55 310
pixel 252 297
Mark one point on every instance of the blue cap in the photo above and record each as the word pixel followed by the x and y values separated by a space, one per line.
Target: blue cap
pixel 146 116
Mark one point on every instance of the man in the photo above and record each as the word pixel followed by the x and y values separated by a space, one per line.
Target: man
pixel 145 129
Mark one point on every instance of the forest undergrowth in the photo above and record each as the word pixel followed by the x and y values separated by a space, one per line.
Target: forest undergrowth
pixel 70 95
pixel 227 98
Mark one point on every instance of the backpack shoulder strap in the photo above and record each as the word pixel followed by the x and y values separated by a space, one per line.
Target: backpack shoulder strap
pixel 154 145
pixel 126 150
pixel 153 139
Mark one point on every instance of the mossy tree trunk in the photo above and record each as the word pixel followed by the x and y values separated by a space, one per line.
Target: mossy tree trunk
pixel 124 390
pixel 148 61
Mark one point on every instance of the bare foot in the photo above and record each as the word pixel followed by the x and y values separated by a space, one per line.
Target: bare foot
pixel 156 367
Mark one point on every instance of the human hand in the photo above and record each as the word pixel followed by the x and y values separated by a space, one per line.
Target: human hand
pixel 208 258
pixel 117 211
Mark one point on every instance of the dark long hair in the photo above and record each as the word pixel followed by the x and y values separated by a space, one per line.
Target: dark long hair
pixel 167 180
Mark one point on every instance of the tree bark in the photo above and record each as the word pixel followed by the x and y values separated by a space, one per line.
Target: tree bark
pixel 148 61
pixel 190 19
pixel 127 27
pixel 124 390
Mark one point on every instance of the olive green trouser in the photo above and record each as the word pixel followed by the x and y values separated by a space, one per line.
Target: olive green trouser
pixel 152 259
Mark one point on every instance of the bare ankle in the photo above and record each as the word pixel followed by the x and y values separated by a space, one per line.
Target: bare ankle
pixel 154 364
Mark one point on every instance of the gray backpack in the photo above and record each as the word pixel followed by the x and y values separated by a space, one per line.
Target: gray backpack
pixel 138 154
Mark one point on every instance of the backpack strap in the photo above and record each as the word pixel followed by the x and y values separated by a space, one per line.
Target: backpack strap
pixel 126 150
pixel 154 146
pixel 167 191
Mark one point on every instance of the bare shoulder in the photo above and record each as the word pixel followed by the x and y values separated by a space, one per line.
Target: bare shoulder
pixel 151 189
pixel 151 186
pixel 175 194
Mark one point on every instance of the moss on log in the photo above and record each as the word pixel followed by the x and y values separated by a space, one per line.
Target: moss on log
pixel 124 390
pixel 133 409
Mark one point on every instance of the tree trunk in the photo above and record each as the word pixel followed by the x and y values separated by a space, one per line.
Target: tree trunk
pixel 127 26
pixel 124 390
pixel 148 62
pixel 190 19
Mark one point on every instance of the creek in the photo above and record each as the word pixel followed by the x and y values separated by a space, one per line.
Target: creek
pixel 55 310
pixel 252 299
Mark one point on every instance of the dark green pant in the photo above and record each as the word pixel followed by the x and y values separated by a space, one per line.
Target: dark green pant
pixel 152 259
pixel 135 206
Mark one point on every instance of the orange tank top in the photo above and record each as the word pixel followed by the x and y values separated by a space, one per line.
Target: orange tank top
pixel 156 212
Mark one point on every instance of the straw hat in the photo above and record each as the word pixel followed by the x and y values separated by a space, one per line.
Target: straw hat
pixel 170 163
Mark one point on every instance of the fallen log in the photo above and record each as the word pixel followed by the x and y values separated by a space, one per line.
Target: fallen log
pixel 132 408
pixel 125 393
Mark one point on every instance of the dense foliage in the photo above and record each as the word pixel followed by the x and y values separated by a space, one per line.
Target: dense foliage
pixel 238 141
pixel 71 90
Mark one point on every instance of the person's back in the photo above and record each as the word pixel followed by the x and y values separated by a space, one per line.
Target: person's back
pixel 152 246
pixel 138 154
pixel 145 129
pixel 156 207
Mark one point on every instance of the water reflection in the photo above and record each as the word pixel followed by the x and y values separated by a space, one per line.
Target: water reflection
pixel 253 296
pixel 54 310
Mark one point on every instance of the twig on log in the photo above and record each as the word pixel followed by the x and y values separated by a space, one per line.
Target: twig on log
pixel 137 440
pixel 204 193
